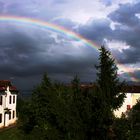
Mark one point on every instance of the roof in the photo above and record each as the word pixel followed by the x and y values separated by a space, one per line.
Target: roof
pixel 132 89
pixel 126 89
pixel 5 83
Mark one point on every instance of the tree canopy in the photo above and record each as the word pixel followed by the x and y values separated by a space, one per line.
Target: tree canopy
pixel 108 80
pixel 60 112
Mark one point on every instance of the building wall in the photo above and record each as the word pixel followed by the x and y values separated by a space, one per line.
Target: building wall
pixel 11 106
pixel 2 110
pixel 131 99
pixel 135 98
pixel 123 108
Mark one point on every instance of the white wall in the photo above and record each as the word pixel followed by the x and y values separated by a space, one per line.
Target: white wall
pixel 131 99
pixel 2 110
pixel 12 107
pixel 123 109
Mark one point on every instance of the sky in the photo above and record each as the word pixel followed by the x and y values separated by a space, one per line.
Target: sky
pixel 28 51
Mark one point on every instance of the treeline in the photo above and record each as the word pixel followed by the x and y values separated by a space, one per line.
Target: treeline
pixel 59 112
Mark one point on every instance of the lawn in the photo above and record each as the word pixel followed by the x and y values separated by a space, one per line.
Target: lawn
pixel 15 134
pixel 10 134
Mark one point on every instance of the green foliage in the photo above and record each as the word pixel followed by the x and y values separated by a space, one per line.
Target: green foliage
pixel 110 89
pixel 11 134
pixel 134 119
pixel 58 112
pixel 25 114
pixel 121 127
pixel 46 111
pixel 108 80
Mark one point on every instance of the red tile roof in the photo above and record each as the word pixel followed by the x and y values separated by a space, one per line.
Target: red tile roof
pixel 126 89
pixel 5 83
pixel 132 89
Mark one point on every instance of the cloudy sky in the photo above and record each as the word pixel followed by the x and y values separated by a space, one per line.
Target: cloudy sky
pixel 27 51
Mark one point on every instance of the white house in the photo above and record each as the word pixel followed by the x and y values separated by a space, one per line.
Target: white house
pixel 8 100
pixel 132 96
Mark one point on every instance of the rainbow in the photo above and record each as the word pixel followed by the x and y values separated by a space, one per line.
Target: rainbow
pixel 62 30
pixel 50 26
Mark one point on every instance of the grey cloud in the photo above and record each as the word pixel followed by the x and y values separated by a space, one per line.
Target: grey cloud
pixel 1 6
pixel 107 2
pixel 29 8
pixel 96 30
pixel 125 14
pixel 137 74
pixel 59 1
pixel 64 22
pixel 128 30
pixel 27 53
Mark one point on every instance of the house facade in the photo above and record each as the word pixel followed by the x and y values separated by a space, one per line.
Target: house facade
pixel 132 96
pixel 8 101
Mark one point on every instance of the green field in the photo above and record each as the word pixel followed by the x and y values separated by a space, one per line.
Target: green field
pixel 10 134
pixel 15 134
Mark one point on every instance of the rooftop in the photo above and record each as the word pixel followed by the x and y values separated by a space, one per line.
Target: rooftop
pixel 126 89
pixel 132 89
pixel 5 83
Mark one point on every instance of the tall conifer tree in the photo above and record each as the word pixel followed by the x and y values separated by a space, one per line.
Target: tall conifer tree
pixel 108 81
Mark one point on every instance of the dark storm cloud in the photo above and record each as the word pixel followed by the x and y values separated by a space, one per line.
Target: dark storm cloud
pixel 96 30
pixel 67 23
pixel 27 53
pixel 125 14
pixel 1 6
pixel 26 9
pixel 20 52
pixel 137 74
pixel 130 56
pixel 29 8
pixel 128 31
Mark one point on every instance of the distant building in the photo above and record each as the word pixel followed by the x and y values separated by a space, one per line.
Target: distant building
pixel 8 101
pixel 132 96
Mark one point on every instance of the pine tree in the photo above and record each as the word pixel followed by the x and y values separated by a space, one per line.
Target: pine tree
pixel 108 81
pixel 110 91
pixel 134 121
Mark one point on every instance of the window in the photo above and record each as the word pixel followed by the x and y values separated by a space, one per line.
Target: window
pixel 10 99
pixel 13 99
pixel 128 107
pixel 10 115
pixel 13 114
pixel 0 100
pixel 0 118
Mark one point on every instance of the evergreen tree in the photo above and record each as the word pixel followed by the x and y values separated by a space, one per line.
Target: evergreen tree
pixel 71 113
pixel 76 87
pixel 108 81
pixel 134 120
pixel 75 111
pixel 110 91
pixel 39 120
pixel 48 101
pixel 121 126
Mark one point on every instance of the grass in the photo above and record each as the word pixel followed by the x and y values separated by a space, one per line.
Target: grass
pixel 15 134
pixel 10 134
